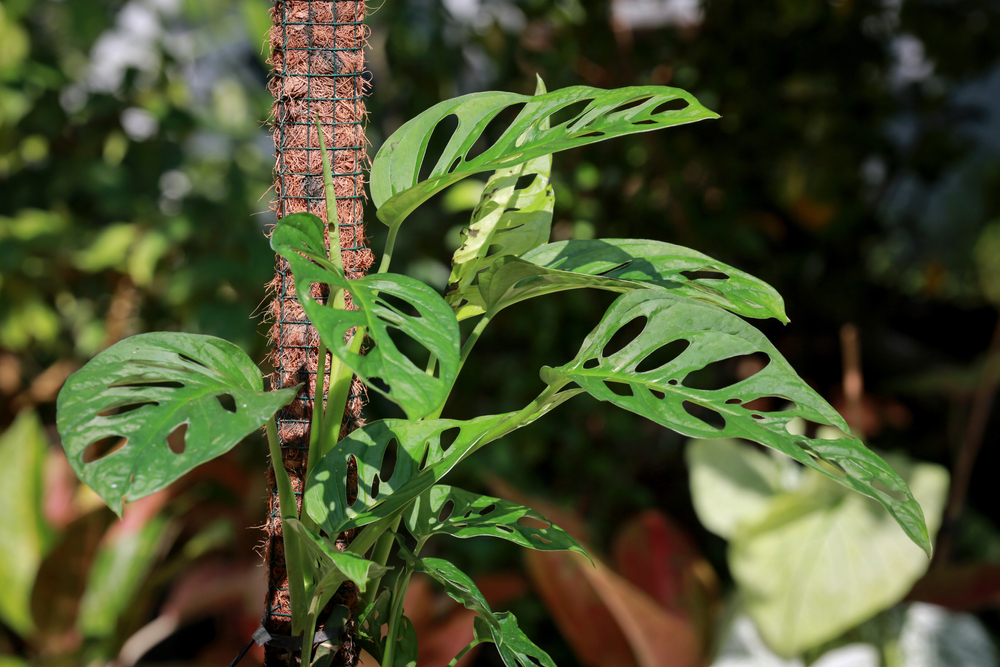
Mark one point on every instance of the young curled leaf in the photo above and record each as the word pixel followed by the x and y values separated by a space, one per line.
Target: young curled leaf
pixel 621 265
pixel 152 407
pixel 446 510
pixel 414 311
pixel 395 183
pixel 663 388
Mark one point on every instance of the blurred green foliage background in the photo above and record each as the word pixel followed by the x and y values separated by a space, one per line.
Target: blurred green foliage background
pixel 856 167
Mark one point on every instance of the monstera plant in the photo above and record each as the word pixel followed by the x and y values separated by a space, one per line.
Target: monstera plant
pixel 154 406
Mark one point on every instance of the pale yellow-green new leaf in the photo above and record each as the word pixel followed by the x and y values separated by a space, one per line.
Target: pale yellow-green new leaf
pixel 24 533
pixel 823 559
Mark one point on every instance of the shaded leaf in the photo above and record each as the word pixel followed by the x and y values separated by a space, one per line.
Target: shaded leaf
pixel 422 458
pixel 159 384
pixel 299 239
pixel 473 515
pixel 457 584
pixel 328 567
pixel 513 216
pixel 371 621
pixel 836 550
pixel 711 334
pixel 622 265
pixel 24 532
pixel 395 185
pixel 516 650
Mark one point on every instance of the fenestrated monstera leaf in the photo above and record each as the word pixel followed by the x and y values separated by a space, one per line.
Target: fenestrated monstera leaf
pixel 116 413
pixel 621 265
pixel 691 335
pixel 473 515
pixel 395 184
pixel 513 216
pixel 299 239
pixel 516 650
pixel 421 453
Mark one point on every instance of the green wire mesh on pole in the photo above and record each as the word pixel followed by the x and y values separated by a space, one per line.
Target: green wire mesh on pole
pixel 318 71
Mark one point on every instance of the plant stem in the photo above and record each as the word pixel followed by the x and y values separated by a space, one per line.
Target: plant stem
pixel 461 654
pixel 381 556
pixel 396 613
pixel 341 376
pixel 390 244
pixel 289 510
pixel 307 639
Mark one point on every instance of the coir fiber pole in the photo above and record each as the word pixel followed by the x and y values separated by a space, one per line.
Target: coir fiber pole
pixel 318 64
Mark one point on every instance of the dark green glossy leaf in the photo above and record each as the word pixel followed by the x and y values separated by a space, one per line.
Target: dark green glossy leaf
pixel 328 568
pixel 299 239
pixel 395 185
pixel 457 584
pixel 406 645
pixel 159 382
pixel 472 515
pixel 371 622
pixel 515 648
pixel 420 460
pixel 621 265
pixel 513 216
pixel 664 394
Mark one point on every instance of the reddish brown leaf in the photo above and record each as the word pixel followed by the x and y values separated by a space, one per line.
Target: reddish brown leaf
pixel 970 587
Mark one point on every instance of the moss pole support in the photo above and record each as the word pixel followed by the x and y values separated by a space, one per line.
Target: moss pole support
pixel 318 71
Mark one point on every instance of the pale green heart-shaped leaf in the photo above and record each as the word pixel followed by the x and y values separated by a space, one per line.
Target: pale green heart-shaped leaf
pixel 328 568
pixel 472 515
pixel 148 387
pixel 395 184
pixel 622 265
pixel 457 584
pixel 120 567
pixel 424 452
pixel 24 532
pixel 516 650
pixel 299 239
pixel 699 334
pixel 840 557
pixel 513 216
pixel 731 484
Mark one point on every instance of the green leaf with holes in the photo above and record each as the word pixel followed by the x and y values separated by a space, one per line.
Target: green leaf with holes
pixel 417 313
pixel 397 188
pixel 328 568
pixel 457 584
pixel 513 216
pixel 398 460
pixel 621 265
pixel 115 414
pixel 516 650
pixel 653 375
pixel 472 515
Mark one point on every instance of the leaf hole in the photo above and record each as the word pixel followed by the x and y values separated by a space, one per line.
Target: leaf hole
pixel 176 441
pixel 397 305
pixel 448 437
pixel 454 165
pixel 439 138
pixel 672 382
pixel 103 448
pixel 882 487
pixel 734 401
pixel 494 249
pixel 351 480
pixel 707 415
pixel 494 131
pixel 644 122
pixel 631 104
pixel 619 388
pixel 662 356
pixel 615 269
pixel 488 509
pixel 375 486
pixel 124 409
pixel 725 372
pixel 191 360
pixel 625 335
pixel 676 104
pixel 588 135
pixel 526 181
pixel 320 292
pixel 591 363
pixel 769 404
pixel 705 274
pixel 227 402
pixel 568 113
pixel 378 384
pixel 137 384
pixel 388 467
pixel 504 529
pixel 657 394
pixel 756 416
pixel 532 522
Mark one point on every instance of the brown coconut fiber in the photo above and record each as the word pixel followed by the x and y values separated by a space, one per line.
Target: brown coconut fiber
pixel 318 68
